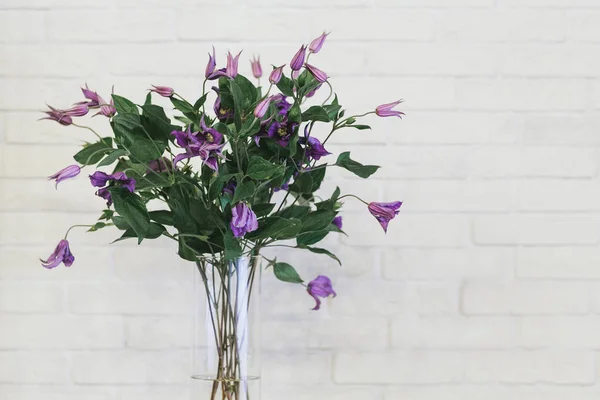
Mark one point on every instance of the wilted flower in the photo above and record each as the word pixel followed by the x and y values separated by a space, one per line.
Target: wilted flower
pixel 315 45
pixel 262 107
pixel 298 59
pixel 243 220
pixel 59 116
pixel 78 110
pixel 256 67
pixel 232 65
pixel 320 287
pixel 108 110
pixel 100 179
pixel 337 221
pixel 384 212
pixel 161 165
pixel 69 172
pixel 105 194
pixel 319 75
pixel 94 99
pixel 164 91
pixel 385 110
pixel 62 254
pixel 212 64
pixel 276 74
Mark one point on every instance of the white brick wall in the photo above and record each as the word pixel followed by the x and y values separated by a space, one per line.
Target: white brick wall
pixel 486 286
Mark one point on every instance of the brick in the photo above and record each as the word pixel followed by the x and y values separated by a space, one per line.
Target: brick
pixel 21 26
pixel 13 153
pixel 60 332
pixel 30 297
pixel 582 26
pixel 130 367
pixel 152 392
pixel 144 24
pixel 559 195
pixel 407 367
pixel 447 264
pixel 314 367
pixel 68 25
pixel 158 332
pixel 550 129
pixel 154 264
pixel 33 367
pixel 570 332
pixel 52 392
pixel 492 392
pixel 565 262
pixel 550 3
pixel 525 298
pixel 550 61
pixel 310 392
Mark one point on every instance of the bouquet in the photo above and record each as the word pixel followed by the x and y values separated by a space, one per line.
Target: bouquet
pixel 223 180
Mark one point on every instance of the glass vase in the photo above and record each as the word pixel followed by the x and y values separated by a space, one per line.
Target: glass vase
pixel 226 333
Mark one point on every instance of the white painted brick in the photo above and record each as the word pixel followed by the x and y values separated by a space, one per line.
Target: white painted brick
pixel 525 298
pixel 33 367
pixel 28 297
pixel 493 392
pixel 449 264
pixel 456 332
pixel 560 332
pixel 158 332
pixel 558 195
pixel 409 367
pixel 152 392
pixel 524 94
pixel 582 26
pixel 52 392
pixel 563 262
pixel 13 154
pixel 550 60
pixel 131 367
pixel 60 332
pixel 550 3
pixel 310 392
pixel 79 25
pixel 535 229
pixel 558 367
pixel 550 129
pixel 21 26
pixel 314 367
pixel 133 298
pixel 434 3
pixel 425 162
pixel 154 264
pixel 142 24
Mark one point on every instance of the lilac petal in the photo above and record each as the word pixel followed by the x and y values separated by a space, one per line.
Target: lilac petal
pixel 298 59
pixel 317 44
pixel 319 75
pixel 66 173
pixel 99 178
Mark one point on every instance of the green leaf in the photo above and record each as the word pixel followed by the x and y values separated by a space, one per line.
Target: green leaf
pixel 316 113
pixel 200 102
pixel 131 207
pixel 96 226
pixel 294 212
pixel 233 249
pixel 155 122
pixel 148 98
pixel 112 157
pixel 277 228
pixel 249 91
pixel 106 215
pixel 154 231
pixel 250 127
pixel 318 250
pixel 120 223
pixel 243 191
pixel 359 127
pixel 308 238
pixel 286 273
pixel 123 105
pixel 303 183
pixel 263 209
pixel 294 114
pixel 261 169
pixel 163 217
pixel 286 86
pixel 238 103
pixel 92 153
pixel 316 221
pixel 153 180
pixel 182 105
pixel 363 171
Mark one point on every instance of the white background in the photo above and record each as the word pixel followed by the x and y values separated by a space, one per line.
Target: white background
pixel 486 286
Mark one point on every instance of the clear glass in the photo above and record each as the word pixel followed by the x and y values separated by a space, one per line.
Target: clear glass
pixel 226 336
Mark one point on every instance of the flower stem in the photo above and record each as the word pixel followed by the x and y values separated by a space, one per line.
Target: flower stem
pixel 76 226
pixel 351 195
pixel 88 128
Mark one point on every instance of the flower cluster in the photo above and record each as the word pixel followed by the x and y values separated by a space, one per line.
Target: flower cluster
pixel 232 181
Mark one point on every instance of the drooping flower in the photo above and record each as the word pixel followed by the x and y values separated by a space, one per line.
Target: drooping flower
pixel 243 220
pixel 319 75
pixel 316 44
pixel 262 107
pixel 223 114
pixel 107 109
pixel 256 67
pixel 94 99
pixel 100 179
pixel 62 254
pixel 314 148
pixel 337 221
pixel 276 74
pixel 59 116
pixel 212 64
pixel 320 287
pixel 105 194
pixel 384 212
pixel 164 91
pixel 78 110
pixel 385 110
pixel 232 64
pixel 66 173
pixel 298 59
pixel 163 164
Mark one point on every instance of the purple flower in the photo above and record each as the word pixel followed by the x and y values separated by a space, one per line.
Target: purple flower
pixel 59 116
pixel 100 179
pixel 281 103
pixel 295 75
pixel 243 220
pixel 314 148
pixel 205 145
pixel 315 45
pixel 320 287
pixel 337 221
pixel 61 254
pixel 276 74
pixel 312 92
pixel 232 65
pixel 317 73
pixel 212 64
pixel 108 110
pixel 385 110
pixel 208 134
pixel 161 165
pixel 69 172
pixel 262 107
pixel 94 99
pixel 298 59
pixel 284 186
pixel 281 132
pixel 164 91
pixel 223 114
pixel 256 67
pixel 229 188
pixel 78 110
pixel 384 212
